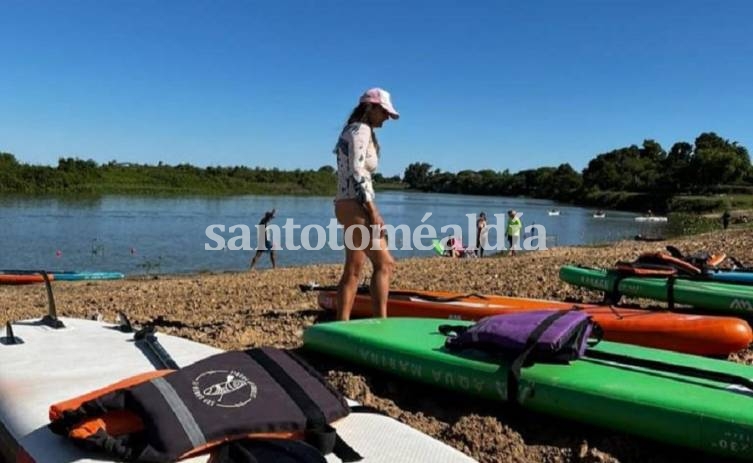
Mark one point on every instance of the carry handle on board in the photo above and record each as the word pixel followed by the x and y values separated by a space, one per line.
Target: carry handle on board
pixel 364 289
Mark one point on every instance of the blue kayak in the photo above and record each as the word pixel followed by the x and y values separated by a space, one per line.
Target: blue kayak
pixel 70 276
pixel 731 276
pixel 77 276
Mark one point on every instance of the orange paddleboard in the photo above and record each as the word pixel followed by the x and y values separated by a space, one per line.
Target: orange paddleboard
pixel 692 334
pixel 24 279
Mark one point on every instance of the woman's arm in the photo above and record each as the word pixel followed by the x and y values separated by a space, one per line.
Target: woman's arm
pixel 358 147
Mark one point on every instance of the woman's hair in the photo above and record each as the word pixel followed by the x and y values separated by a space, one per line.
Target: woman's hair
pixel 361 114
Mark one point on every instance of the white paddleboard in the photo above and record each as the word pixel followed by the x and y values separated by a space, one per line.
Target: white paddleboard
pixel 52 365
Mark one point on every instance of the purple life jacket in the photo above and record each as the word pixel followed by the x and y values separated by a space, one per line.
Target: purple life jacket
pixel 525 338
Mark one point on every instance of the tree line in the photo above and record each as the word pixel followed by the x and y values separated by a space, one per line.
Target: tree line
pixel 630 176
pixel 72 175
pixel 633 177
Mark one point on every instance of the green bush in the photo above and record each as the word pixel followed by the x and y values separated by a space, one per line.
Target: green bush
pixel 698 204
pixel 679 224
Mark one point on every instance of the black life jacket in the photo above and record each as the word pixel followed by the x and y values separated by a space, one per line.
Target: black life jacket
pixel 232 396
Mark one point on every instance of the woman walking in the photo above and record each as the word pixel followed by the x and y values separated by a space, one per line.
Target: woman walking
pixel 357 152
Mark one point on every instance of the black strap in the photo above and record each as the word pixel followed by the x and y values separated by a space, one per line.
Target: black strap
pixel 364 289
pixel 613 296
pixel 513 373
pixel 267 450
pixel 431 298
pixel 345 452
pixel 365 409
pixel 670 368
pixel 671 292
pixel 319 433
pixel 616 313
pixel 148 343
pixel 597 333
pixel 457 330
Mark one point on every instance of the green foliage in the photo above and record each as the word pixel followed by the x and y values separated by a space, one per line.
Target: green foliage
pixel 694 169
pixel 680 224
pixel 698 204
pixel 630 178
pixel 633 178
pixel 76 176
pixel 417 176
pixel 624 200
pixel 627 169
pixel 716 203
pixel 562 183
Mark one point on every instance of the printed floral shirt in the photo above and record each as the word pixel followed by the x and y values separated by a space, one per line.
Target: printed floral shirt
pixel 356 161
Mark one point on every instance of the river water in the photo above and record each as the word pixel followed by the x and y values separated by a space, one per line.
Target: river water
pixel 137 235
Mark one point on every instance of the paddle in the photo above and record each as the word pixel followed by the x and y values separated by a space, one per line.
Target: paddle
pixel 364 289
pixel 670 368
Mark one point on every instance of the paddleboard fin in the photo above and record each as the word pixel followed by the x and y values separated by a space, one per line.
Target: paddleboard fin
pixel 10 338
pixel 51 319
pixel 124 324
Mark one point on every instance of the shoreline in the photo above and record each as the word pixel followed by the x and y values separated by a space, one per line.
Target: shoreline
pixel 239 310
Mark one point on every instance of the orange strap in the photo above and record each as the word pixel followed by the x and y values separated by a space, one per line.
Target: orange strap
pixel 56 410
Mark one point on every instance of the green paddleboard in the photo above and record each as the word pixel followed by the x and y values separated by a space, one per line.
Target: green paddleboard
pixel 713 416
pixel 721 297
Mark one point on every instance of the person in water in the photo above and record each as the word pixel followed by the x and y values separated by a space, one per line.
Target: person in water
pixel 268 245
pixel 481 234
pixel 358 154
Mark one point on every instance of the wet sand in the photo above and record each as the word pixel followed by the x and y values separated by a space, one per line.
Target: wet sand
pixel 265 307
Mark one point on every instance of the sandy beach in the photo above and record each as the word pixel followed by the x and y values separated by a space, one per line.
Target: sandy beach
pixel 265 307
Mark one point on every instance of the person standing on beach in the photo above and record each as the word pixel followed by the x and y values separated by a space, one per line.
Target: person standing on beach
pixel 481 234
pixel 268 245
pixel 725 218
pixel 514 225
pixel 357 153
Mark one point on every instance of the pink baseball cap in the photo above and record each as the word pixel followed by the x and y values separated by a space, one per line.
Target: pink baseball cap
pixel 382 98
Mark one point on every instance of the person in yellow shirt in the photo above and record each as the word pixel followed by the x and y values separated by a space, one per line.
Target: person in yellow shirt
pixel 514 226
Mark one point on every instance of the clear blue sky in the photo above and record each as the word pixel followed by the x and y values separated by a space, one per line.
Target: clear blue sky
pixel 479 84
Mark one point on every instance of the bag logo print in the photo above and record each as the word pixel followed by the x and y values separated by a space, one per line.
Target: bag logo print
pixel 224 388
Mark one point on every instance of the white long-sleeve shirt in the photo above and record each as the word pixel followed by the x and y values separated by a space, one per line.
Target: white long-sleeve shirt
pixel 356 161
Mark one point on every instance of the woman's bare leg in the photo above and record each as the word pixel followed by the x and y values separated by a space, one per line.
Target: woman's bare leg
pixel 350 215
pixel 384 266
pixel 347 288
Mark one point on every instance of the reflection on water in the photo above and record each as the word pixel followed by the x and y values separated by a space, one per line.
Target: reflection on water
pixel 167 235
